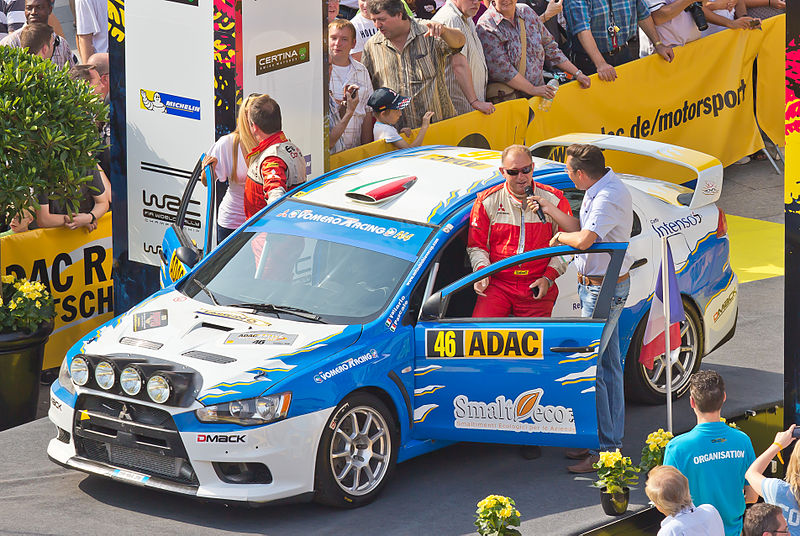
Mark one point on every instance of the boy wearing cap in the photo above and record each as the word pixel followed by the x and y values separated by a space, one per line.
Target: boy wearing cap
pixel 386 104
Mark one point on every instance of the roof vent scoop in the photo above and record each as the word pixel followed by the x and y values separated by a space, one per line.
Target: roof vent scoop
pixel 382 190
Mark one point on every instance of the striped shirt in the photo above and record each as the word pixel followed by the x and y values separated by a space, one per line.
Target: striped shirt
pixel 503 47
pixel 417 72
pixel 451 16
pixel 62 54
pixel 594 15
pixel 341 77
pixel 12 16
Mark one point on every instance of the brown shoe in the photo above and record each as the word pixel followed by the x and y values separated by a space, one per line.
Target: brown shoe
pixel 585 466
pixel 576 454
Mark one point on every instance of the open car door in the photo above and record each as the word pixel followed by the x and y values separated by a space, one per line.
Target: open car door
pixel 179 253
pixel 509 380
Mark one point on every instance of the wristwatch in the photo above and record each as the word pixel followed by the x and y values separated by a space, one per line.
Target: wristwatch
pixel 94 218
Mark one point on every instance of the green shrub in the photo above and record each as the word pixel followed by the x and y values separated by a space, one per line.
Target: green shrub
pixel 48 134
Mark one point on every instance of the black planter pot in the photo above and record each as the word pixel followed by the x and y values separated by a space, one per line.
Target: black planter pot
pixel 21 357
pixel 615 504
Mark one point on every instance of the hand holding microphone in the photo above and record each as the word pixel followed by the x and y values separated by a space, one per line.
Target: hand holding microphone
pixel 539 211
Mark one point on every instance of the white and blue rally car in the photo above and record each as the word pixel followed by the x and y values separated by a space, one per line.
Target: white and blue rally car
pixel 331 336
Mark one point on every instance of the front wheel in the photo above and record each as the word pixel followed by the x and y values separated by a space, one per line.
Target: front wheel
pixel 650 386
pixel 357 452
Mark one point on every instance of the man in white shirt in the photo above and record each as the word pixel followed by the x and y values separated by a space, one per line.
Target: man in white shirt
pixel 466 73
pixel 365 29
pixel 347 74
pixel 91 21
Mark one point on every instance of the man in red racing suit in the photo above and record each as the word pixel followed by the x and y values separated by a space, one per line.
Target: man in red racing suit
pixel 503 223
pixel 276 164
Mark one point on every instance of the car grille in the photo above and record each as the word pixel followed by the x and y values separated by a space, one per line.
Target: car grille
pixel 131 436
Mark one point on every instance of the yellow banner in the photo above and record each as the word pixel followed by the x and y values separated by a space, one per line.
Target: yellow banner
pixel 770 91
pixel 696 101
pixel 76 267
pixel 506 126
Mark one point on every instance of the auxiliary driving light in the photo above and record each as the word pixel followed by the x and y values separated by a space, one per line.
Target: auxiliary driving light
pixel 131 381
pixel 158 389
pixel 104 375
pixel 79 370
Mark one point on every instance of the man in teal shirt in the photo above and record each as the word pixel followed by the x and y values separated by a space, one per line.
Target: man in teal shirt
pixel 712 455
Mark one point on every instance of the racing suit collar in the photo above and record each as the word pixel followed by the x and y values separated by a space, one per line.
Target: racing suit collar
pixel 514 199
pixel 269 141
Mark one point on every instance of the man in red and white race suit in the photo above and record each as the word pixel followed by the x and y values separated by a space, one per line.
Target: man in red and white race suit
pixel 503 223
pixel 276 164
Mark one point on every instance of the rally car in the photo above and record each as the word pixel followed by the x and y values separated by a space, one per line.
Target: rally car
pixel 332 335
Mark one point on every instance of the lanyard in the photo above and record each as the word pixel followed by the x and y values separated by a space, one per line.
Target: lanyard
pixel 613 29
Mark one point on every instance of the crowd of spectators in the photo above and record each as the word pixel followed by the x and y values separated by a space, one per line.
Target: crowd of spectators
pixel 456 56
pixel 31 25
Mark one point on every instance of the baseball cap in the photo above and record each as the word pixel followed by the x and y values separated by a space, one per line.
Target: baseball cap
pixel 384 98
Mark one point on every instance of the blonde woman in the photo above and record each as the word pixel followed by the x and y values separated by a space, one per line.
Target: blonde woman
pixel 783 493
pixel 668 490
pixel 228 156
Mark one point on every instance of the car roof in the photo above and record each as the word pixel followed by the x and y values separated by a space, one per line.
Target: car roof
pixel 446 177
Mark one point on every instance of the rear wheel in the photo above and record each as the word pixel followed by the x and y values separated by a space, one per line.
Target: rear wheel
pixel 649 386
pixel 357 452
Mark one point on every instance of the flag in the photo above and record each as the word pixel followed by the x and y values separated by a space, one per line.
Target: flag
pixel 653 343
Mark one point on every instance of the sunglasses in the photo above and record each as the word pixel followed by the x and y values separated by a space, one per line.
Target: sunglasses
pixel 515 172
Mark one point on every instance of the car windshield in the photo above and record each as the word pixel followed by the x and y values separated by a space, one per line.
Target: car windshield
pixel 300 277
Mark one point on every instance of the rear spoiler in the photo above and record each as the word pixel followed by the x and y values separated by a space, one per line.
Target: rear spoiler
pixel 707 168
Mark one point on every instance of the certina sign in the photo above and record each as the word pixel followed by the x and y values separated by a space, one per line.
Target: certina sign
pixel 525 413
pixel 282 58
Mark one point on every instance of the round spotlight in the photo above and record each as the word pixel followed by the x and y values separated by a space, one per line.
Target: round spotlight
pixel 131 381
pixel 79 370
pixel 104 375
pixel 158 389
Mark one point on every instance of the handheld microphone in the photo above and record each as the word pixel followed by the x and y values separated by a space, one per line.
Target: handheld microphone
pixel 539 211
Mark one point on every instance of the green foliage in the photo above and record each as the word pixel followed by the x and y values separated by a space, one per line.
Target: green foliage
pixel 48 135
pixel 653 450
pixel 615 472
pixel 25 305
pixel 496 515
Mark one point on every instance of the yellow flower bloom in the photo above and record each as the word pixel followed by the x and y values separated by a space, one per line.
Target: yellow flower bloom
pixel 7 279
pixel 653 447
pixel 12 305
pixel 506 512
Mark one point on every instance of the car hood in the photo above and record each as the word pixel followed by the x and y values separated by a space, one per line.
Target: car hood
pixel 239 354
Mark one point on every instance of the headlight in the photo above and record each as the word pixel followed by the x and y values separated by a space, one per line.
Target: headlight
pixel 158 389
pixel 131 381
pixel 79 370
pixel 104 375
pixel 64 379
pixel 253 411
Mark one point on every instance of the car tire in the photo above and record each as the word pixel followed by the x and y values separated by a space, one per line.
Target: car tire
pixel 649 386
pixel 357 452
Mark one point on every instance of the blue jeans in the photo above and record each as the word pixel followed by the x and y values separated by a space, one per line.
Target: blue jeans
pixel 610 390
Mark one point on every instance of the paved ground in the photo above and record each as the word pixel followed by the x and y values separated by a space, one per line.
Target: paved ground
pixel 433 494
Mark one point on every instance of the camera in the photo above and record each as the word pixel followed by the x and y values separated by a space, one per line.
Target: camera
pixel 796 432
pixel 695 9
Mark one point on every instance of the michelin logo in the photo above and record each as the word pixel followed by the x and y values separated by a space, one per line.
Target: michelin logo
pixel 159 102
pixel 345 366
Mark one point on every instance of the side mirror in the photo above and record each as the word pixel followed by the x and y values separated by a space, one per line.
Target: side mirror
pixel 433 308
pixel 187 256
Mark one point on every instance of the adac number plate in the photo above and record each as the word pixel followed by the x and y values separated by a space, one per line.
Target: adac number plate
pixel 484 344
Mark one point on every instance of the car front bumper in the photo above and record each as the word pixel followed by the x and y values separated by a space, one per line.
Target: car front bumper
pixel 287 448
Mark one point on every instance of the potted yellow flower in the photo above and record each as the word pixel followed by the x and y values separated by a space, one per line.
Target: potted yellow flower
pixel 496 515
pixel 653 450
pixel 26 321
pixel 615 474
